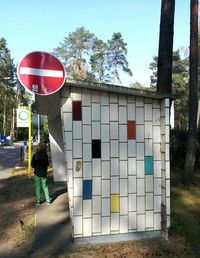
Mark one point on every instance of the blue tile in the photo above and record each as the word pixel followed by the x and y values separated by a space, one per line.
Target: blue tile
pixel 148 165
pixel 87 189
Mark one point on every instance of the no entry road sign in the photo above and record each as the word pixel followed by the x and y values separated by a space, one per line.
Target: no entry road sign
pixel 41 73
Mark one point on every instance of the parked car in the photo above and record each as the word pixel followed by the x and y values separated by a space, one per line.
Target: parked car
pixel 5 142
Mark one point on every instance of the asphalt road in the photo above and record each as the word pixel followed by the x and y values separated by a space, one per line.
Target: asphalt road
pixel 10 156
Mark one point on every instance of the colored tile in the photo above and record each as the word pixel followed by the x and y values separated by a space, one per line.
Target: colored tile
pixel 115 203
pixel 131 130
pixel 148 165
pixel 87 189
pixel 96 149
pixel 76 111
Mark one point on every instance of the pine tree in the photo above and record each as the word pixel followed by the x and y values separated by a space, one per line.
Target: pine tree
pixel 86 57
pixel 74 52
pixel 193 94
pixel 116 56
pixel 7 95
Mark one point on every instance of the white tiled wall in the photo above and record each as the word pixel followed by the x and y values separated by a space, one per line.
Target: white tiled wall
pixel 121 168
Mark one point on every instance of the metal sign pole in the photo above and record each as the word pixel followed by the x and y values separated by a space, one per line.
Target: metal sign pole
pixel 38 128
pixel 29 143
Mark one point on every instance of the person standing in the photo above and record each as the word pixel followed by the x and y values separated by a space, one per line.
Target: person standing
pixel 40 164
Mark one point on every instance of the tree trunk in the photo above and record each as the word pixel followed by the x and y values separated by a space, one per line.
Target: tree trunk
pixel 4 115
pixel 12 129
pixel 164 76
pixel 193 94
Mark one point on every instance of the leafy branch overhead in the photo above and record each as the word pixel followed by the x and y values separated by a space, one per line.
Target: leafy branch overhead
pixel 87 57
pixel 11 93
pixel 180 79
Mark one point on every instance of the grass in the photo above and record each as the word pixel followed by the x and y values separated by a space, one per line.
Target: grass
pixel 185 210
pixel 17 215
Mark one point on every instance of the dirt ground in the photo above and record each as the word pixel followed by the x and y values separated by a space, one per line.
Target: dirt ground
pixel 17 216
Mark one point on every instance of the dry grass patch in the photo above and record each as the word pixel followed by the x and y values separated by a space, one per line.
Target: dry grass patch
pixel 17 211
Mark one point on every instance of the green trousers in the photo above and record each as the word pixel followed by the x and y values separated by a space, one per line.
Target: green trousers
pixel 38 182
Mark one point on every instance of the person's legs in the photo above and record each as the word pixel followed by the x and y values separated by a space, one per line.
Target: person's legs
pixel 37 188
pixel 45 189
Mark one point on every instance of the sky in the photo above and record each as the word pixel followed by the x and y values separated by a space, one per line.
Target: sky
pixel 41 25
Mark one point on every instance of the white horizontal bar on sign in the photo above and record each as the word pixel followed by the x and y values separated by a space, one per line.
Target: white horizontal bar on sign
pixel 41 72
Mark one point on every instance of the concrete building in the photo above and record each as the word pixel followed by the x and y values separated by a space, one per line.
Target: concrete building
pixel 111 145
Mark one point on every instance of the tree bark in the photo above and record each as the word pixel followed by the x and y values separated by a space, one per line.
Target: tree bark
pixel 164 75
pixel 12 129
pixel 4 115
pixel 193 94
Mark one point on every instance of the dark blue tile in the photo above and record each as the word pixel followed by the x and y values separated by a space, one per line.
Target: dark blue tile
pixel 87 189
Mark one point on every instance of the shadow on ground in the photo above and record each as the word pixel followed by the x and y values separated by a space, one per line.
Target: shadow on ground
pixel 17 215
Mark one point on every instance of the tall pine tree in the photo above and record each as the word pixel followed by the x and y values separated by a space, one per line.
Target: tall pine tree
pixel 7 95
pixel 193 94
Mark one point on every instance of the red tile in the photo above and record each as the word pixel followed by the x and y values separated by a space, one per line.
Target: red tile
pixel 131 130
pixel 76 111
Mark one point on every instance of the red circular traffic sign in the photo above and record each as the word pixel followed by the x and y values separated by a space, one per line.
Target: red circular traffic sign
pixel 41 73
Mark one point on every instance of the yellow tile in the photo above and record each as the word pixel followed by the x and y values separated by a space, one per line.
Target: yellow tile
pixel 114 202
